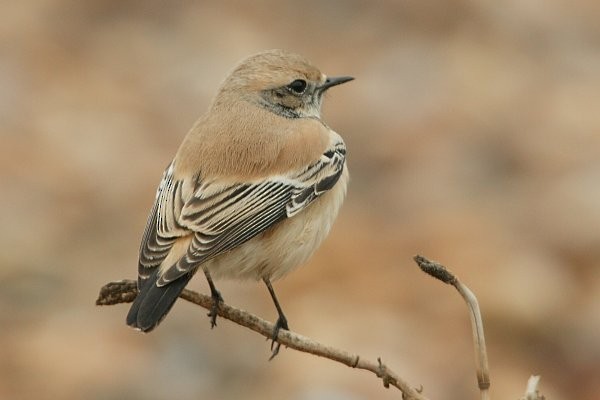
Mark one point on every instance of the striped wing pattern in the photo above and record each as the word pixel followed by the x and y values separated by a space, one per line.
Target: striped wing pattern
pixel 222 216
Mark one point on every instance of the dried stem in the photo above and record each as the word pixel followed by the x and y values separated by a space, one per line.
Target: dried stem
pixel 439 272
pixel 125 291
pixel 532 392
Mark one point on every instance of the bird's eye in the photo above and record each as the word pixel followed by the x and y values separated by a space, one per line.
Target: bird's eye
pixel 298 86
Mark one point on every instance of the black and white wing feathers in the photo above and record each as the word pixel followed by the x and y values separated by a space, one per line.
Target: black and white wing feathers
pixel 221 216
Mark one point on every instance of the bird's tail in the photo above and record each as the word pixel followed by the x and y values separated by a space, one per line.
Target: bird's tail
pixel 153 302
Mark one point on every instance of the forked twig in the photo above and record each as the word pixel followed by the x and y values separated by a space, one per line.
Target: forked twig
pixel 125 292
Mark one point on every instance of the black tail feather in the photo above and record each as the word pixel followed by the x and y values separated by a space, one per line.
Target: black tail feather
pixel 153 302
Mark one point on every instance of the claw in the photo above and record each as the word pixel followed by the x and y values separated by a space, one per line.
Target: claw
pixel 279 325
pixel 281 321
pixel 214 309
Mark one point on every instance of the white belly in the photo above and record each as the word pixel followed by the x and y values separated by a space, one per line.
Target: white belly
pixel 288 245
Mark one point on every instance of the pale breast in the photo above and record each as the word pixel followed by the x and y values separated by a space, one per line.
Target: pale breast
pixel 287 245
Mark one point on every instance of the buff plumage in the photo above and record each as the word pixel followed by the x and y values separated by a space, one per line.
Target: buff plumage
pixel 252 191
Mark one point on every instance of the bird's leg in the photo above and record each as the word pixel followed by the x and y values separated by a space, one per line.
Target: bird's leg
pixel 281 321
pixel 216 299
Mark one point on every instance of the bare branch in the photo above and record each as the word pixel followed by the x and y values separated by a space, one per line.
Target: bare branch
pixel 440 272
pixel 125 292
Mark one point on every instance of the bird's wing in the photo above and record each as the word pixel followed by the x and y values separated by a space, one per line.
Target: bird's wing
pixel 162 228
pixel 223 216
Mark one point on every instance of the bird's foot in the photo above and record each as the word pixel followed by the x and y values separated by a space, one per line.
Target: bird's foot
pixel 214 308
pixel 279 325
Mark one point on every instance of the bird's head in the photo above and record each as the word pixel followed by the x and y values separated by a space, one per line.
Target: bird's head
pixel 284 83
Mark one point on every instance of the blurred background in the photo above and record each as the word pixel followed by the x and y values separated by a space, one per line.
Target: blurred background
pixel 473 131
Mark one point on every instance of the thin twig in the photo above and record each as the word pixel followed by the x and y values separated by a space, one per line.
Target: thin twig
pixel 440 272
pixel 125 292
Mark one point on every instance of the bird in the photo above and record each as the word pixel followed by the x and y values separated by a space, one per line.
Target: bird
pixel 252 191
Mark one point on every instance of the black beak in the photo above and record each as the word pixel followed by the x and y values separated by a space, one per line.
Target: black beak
pixel 333 81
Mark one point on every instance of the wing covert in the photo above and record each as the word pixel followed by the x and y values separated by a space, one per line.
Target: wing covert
pixel 222 216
